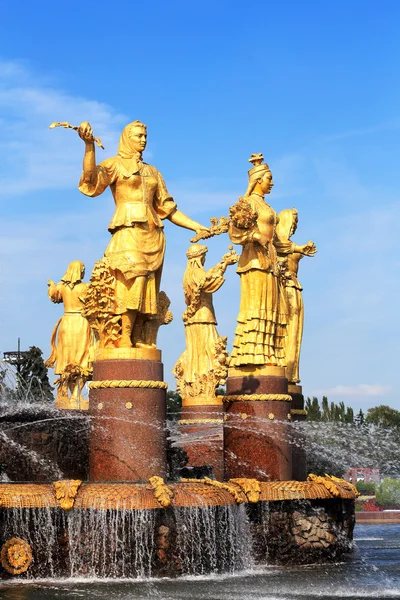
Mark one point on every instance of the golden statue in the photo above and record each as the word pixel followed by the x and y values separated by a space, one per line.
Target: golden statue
pixel 263 314
pixel 72 355
pixel 135 254
pixel 286 227
pixel 203 365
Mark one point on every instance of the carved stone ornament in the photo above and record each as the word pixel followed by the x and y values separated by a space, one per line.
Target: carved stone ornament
pixel 16 556
pixel 66 492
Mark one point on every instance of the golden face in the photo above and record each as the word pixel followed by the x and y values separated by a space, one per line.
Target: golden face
pixel 138 138
pixel 266 182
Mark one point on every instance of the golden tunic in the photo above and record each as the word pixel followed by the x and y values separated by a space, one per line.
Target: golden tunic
pixel 137 247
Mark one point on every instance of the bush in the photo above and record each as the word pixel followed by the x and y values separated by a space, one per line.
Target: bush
pixel 388 493
pixel 366 489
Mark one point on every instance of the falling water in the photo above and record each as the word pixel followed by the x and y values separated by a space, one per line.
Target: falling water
pixel 111 543
pixel 212 539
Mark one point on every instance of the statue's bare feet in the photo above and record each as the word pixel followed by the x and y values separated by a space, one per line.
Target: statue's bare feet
pixel 144 345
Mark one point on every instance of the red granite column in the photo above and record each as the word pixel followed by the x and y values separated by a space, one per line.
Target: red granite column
pixel 201 429
pixel 127 437
pixel 299 415
pixel 256 435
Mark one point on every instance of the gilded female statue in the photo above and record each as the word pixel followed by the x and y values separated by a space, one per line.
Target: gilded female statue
pixel 286 227
pixel 72 353
pixel 203 364
pixel 263 314
pixel 136 251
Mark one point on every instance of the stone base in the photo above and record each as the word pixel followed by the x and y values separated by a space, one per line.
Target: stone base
pixel 299 458
pixel 127 438
pixel 256 435
pixel 201 429
pixel 124 530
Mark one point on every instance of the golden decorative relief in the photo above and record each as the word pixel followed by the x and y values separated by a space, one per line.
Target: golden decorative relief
pixel 203 365
pixel 298 411
pixel 100 405
pixel 289 417
pixel 66 492
pixel 127 383
pixel 195 421
pixel 128 405
pixel 232 488
pixel 251 487
pixel 244 416
pixel 271 416
pixel 336 486
pixel 258 398
pixel 162 492
pixel 16 556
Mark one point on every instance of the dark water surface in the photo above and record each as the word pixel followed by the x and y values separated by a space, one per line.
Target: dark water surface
pixel 372 572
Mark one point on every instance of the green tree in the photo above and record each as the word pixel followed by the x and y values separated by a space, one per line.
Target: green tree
pixel 383 416
pixel 366 488
pixel 360 418
pixel 313 409
pixel 174 405
pixel 33 379
pixel 388 493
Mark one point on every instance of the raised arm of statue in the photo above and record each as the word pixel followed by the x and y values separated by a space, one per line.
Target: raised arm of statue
pixel 89 160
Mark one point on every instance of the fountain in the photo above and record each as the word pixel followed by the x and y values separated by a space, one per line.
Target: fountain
pixel 114 506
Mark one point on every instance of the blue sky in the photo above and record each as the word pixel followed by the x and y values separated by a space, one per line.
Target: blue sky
pixel 313 85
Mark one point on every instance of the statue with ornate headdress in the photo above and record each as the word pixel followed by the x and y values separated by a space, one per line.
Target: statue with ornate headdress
pixel 71 340
pixel 203 365
pixel 263 313
pixel 132 264
pixel 286 227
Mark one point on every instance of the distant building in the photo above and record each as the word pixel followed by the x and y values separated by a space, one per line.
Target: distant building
pixel 362 474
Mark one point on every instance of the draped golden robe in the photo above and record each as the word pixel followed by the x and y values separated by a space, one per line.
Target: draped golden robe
pixel 262 320
pixel 137 247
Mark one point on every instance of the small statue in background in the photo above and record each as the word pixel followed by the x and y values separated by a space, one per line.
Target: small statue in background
pixel 286 227
pixel 72 354
pixel 203 365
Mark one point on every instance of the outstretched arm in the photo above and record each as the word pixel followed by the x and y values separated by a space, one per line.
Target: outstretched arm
pixel 180 219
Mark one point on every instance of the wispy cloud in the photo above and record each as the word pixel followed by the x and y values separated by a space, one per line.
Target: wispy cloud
pixel 361 389
pixel 34 157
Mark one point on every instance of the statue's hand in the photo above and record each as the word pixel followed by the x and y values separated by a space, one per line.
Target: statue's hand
pixel 85 132
pixel 50 282
pixel 202 233
pixel 308 249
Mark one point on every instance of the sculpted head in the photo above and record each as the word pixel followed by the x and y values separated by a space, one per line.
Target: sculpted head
pixel 260 176
pixel 133 139
pixel 287 224
pixel 74 274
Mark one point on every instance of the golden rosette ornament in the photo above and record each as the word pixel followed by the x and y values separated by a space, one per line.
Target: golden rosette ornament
pixel 16 556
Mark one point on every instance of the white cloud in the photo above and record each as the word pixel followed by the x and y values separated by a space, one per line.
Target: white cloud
pixel 34 157
pixel 361 389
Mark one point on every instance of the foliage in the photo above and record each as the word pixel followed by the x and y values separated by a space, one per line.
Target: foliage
pixel 174 405
pixel 383 416
pixel 328 411
pixel 33 376
pixel 366 488
pixel 388 493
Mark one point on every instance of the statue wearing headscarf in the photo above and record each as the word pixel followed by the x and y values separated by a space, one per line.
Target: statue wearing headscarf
pixel 136 251
pixel 71 340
